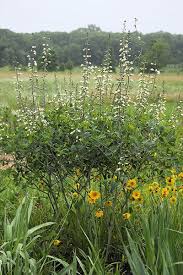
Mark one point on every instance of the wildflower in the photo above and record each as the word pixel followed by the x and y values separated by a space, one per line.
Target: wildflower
pixel 94 195
pixel 131 184
pixel 126 216
pixel 174 189
pixel 99 213
pixel 108 203
pixel 136 195
pixel 173 200
pixel 91 201
pixel 57 242
pixel 151 188
pixel 170 180
pixel 75 195
pixel 154 187
pixel 115 178
pixel 180 176
pixel 164 192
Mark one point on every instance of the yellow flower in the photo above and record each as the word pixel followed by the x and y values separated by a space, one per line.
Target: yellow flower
pixel 164 192
pixel 91 201
pixel 115 178
pixel 151 189
pixel 94 195
pixel 57 242
pixel 173 200
pixel 136 195
pixel 126 216
pixel 108 203
pixel 131 184
pixel 75 195
pixel 180 176
pixel 154 187
pixel 99 213
pixel 174 189
pixel 170 180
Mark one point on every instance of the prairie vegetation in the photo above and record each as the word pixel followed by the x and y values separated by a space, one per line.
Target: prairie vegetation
pixel 94 168
pixel 173 84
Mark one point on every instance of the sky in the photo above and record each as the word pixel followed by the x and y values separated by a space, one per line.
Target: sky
pixel 67 15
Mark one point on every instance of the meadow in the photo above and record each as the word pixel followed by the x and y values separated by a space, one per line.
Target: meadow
pixel 172 83
pixel 91 170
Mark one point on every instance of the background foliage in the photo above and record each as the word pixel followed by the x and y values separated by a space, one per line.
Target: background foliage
pixel 162 48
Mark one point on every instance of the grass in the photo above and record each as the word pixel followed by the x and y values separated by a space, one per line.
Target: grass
pixel 173 84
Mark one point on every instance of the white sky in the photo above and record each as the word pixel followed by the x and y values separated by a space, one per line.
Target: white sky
pixel 67 15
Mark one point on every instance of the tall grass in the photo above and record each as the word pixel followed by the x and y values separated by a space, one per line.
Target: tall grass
pixel 18 241
pixel 157 248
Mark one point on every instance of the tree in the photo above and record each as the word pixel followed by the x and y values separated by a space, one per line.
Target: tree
pixel 69 65
pixel 161 48
pixel 157 53
pixel 94 28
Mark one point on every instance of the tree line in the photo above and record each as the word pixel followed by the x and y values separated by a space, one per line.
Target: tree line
pixel 66 48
